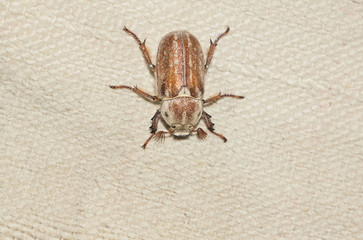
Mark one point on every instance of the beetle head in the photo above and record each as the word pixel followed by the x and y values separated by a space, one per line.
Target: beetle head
pixel 181 114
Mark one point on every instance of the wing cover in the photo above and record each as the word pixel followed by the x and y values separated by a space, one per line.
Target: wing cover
pixel 180 63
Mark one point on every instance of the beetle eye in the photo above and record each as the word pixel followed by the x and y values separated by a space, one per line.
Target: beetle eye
pixel 173 127
pixel 166 114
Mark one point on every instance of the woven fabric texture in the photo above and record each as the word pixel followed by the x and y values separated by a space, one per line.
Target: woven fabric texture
pixel 71 162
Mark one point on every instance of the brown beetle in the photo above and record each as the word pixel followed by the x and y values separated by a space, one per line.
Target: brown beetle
pixel 180 71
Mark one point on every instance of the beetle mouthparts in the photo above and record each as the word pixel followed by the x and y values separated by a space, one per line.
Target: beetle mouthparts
pixel 181 133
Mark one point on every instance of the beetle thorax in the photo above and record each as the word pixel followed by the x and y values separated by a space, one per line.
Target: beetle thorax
pixel 181 113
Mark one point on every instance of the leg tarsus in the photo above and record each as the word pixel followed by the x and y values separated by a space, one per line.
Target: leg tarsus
pixel 209 123
pixel 212 48
pixel 220 96
pixel 138 91
pixel 147 141
pixel 143 49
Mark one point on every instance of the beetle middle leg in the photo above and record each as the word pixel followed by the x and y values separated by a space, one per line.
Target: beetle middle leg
pixel 143 49
pixel 220 96
pixel 212 47
pixel 210 125
pixel 138 91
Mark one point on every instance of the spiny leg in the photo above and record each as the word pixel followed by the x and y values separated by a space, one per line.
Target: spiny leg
pixel 209 123
pixel 143 49
pixel 220 96
pixel 138 91
pixel 212 47
pixel 159 136
pixel 155 120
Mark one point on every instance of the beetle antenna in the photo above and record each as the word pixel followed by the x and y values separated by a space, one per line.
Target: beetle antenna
pixel 201 134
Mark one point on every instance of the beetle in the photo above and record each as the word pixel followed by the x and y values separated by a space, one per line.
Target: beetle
pixel 180 71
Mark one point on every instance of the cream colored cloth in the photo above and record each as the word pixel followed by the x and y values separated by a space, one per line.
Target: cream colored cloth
pixel 71 165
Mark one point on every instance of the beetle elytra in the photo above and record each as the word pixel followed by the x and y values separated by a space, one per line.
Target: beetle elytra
pixel 180 71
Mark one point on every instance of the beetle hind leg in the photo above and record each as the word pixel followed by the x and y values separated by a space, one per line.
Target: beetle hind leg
pixel 143 49
pixel 212 48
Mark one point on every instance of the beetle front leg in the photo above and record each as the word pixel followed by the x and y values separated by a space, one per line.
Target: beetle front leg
pixel 159 136
pixel 212 47
pixel 219 96
pixel 138 91
pixel 155 121
pixel 210 125
pixel 143 49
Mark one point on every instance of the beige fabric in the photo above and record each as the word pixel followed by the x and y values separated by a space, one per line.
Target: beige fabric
pixel 70 156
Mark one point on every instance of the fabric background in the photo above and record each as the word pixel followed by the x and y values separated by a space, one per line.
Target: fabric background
pixel 70 156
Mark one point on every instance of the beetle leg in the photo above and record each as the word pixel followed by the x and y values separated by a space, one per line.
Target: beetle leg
pixel 219 96
pixel 209 123
pixel 138 91
pixel 155 120
pixel 143 49
pixel 159 136
pixel 212 47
